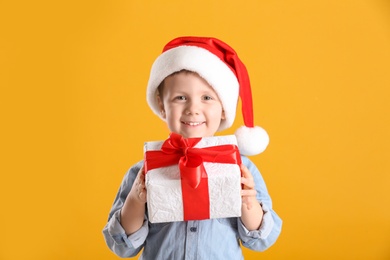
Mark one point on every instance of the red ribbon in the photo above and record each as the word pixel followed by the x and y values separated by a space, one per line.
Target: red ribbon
pixel 194 180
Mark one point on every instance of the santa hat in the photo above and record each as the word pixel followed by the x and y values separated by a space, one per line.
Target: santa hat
pixel 219 65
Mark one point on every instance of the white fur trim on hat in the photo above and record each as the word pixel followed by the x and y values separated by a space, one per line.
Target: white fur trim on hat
pixel 207 65
pixel 251 140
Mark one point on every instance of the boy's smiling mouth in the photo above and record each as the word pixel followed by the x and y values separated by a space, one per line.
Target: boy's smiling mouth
pixel 190 123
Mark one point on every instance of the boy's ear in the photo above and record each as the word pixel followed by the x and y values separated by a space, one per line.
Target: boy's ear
pixel 223 117
pixel 161 107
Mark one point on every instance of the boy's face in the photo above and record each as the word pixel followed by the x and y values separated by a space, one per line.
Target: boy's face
pixel 190 106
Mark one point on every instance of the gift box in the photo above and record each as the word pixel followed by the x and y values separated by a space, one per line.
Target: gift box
pixel 192 178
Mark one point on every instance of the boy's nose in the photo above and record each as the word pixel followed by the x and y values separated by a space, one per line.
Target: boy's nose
pixel 192 109
pixel 191 112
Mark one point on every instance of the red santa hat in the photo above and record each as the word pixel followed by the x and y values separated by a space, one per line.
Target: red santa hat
pixel 219 65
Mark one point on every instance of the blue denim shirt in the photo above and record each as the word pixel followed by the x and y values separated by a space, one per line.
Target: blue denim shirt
pixel 203 239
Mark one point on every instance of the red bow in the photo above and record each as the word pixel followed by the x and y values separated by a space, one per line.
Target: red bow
pixel 181 150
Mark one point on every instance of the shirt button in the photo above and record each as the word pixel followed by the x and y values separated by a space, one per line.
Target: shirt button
pixel 193 229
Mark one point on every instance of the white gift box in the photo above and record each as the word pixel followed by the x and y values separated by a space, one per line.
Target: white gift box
pixel 164 187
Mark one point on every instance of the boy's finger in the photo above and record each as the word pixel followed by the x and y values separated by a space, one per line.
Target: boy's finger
pixel 142 170
pixel 245 172
pixel 248 182
pixel 248 179
pixel 248 193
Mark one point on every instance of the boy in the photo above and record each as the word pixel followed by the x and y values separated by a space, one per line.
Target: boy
pixel 194 86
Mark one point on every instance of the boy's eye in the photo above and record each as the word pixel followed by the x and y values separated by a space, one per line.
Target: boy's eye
pixel 180 98
pixel 207 98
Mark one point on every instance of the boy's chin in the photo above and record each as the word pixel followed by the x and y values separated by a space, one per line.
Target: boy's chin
pixel 195 135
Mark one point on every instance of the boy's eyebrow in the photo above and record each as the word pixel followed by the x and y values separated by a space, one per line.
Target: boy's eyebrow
pixel 210 93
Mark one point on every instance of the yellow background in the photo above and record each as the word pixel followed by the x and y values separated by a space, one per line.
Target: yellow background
pixel 74 117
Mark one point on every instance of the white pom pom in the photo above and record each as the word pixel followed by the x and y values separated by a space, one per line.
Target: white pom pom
pixel 251 140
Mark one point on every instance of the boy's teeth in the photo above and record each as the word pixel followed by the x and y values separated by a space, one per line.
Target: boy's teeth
pixel 193 123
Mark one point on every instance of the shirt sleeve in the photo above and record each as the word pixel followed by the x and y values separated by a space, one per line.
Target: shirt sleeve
pixel 271 224
pixel 114 234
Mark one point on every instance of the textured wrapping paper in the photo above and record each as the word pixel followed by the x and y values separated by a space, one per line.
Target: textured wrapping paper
pixel 165 194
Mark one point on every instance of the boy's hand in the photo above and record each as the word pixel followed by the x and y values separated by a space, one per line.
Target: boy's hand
pixel 138 191
pixel 133 210
pixel 248 191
